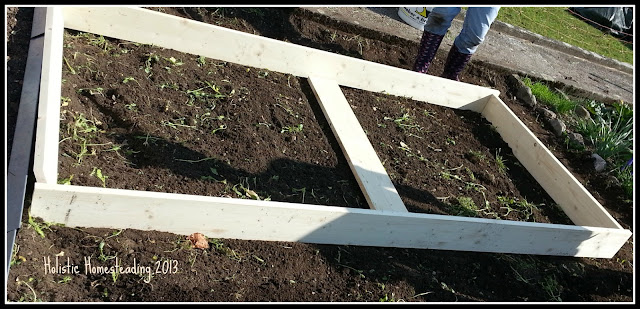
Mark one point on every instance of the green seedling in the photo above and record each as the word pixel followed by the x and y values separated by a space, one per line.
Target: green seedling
pixel 521 206
pixel 66 181
pixel 37 226
pixel 178 123
pixel 174 61
pixel 333 36
pixel 71 69
pixel 115 274
pixel 201 61
pixel 169 85
pixel 15 258
pixel 387 299
pixel 302 190
pixel 129 79
pixel 91 91
pixel 501 163
pixel 550 285
pixel 290 129
pixel 35 296
pixel 477 155
pixel 64 101
pixel 148 63
pixel 219 128
pixel 465 207
pixel 131 106
pixel 99 41
pixel 287 109
pixel 65 279
pixel 450 141
pixel 103 257
pixel 403 122
pixel 98 173
pixel 449 176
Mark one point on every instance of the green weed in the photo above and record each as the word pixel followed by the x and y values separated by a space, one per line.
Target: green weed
pixel 149 62
pixel 292 129
pixel 37 227
pixel 502 167
pixel 404 122
pixel 465 207
pixel 71 69
pixel 66 181
pixel 201 60
pixel 129 79
pixel 98 173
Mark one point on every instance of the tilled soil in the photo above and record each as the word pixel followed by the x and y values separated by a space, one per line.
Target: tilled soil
pixel 144 118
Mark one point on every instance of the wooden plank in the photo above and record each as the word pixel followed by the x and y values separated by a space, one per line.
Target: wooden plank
pixel 45 165
pixel 363 160
pixel 23 137
pixel 579 205
pixel 197 38
pixel 276 221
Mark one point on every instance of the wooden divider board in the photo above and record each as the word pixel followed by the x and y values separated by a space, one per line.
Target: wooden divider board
pixel 114 208
pixel 48 125
pixel 220 217
pixel 363 160
pixel 168 31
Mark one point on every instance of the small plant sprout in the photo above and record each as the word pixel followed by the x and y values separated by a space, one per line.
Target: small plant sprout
pixel 201 61
pixel 131 106
pixel 501 163
pixel 71 69
pixel 292 129
pixel 99 41
pixel 174 61
pixel 103 257
pixel 65 279
pixel 302 190
pixel 219 128
pixel 129 79
pixel 148 63
pixel 98 173
pixel 91 91
pixel 263 73
pixel 66 181
pixel 36 226
pixel 64 101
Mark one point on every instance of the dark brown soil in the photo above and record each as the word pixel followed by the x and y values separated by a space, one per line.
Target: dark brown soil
pixel 206 127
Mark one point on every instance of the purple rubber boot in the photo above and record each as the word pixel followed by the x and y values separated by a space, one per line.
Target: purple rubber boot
pixel 456 61
pixel 428 46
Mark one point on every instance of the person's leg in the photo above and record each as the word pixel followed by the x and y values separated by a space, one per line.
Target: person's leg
pixel 476 25
pixel 437 25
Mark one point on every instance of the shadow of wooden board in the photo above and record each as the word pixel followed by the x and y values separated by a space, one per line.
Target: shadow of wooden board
pixel 387 224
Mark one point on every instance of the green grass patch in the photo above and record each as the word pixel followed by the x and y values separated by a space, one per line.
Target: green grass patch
pixel 551 98
pixel 559 24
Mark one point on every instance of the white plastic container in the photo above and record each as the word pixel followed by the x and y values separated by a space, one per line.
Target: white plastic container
pixel 414 16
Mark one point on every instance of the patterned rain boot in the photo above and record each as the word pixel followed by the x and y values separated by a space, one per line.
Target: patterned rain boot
pixel 428 46
pixel 456 61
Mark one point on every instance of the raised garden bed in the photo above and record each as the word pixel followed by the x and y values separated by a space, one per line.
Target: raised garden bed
pixel 70 205
pixel 237 270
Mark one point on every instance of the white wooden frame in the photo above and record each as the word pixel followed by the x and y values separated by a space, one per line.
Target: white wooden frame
pixel 387 223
